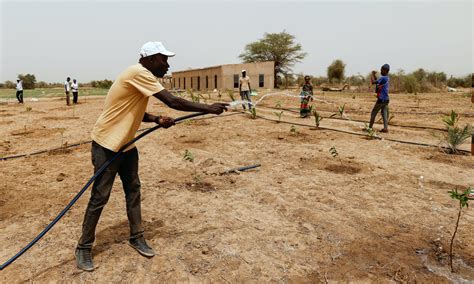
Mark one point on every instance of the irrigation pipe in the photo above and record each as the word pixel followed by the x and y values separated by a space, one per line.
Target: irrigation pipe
pixel 359 134
pixel 356 120
pixel 89 141
pixel 78 195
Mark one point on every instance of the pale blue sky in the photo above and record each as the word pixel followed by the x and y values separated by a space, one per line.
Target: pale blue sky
pixel 91 40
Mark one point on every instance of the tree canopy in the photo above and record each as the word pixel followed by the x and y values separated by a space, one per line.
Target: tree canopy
pixel 336 70
pixel 277 47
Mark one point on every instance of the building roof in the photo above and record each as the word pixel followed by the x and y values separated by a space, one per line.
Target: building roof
pixel 217 66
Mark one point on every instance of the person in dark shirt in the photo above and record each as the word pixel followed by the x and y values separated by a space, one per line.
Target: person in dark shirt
pixel 381 90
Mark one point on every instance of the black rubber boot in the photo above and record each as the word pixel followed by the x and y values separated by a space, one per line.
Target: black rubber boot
pixel 84 259
pixel 141 246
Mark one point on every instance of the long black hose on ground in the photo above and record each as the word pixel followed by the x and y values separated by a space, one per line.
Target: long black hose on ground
pixel 78 195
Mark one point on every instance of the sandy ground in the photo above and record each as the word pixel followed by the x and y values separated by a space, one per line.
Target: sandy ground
pixel 302 217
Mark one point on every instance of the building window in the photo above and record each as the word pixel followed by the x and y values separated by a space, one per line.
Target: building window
pixel 236 80
pixel 207 82
pixel 191 79
pixel 174 83
pixel 261 80
pixel 184 83
pixel 179 82
pixel 215 81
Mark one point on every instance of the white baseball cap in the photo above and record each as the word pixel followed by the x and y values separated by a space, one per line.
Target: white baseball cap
pixel 151 48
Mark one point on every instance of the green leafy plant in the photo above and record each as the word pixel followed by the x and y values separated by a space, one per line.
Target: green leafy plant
pixel 195 98
pixel 371 134
pixel 463 199
pixel 279 115
pixel 230 93
pixel 62 130
pixel 278 105
pixel 390 117
pixel 253 113
pixel 188 156
pixel 455 135
pixel 28 111
pixel 317 118
pixel 340 112
pixel 310 108
pixel 293 130
pixel 334 153
pixel 452 119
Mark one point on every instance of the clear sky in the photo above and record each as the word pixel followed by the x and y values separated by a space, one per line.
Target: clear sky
pixel 91 40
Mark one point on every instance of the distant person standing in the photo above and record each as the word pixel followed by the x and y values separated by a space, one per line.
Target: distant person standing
pixel 19 90
pixel 306 95
pixel 75 91
pixel 67 90
pixel 244 89
pixel 381 90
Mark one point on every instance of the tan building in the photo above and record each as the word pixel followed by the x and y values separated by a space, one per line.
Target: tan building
pixel 223 77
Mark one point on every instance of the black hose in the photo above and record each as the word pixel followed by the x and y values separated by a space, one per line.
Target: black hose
pixel 89 141
pixel 360 134
pixel 78 195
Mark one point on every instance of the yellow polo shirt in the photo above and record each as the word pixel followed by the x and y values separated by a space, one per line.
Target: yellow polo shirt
pixel 124 107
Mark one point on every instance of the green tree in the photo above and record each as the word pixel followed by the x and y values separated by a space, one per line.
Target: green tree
pixel 277 47
pixel 9 85
pixel 336 70
pixel 419 75
pixel 29 80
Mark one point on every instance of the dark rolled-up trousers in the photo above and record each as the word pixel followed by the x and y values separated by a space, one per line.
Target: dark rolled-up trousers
pixel 126 165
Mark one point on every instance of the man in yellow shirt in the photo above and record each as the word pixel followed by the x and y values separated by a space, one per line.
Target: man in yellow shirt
pixel 124 110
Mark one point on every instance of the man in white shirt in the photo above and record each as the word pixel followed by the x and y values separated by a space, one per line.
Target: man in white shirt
pixel 19 90
pixel 67 89
pixel 75 91
pixel 244 88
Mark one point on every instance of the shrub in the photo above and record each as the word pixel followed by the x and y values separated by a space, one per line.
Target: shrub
pixel 463 202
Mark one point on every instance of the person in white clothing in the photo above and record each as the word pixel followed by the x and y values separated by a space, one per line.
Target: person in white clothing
pixel 67 90
pixel 19 90
pixel 75 91
pixel 244 88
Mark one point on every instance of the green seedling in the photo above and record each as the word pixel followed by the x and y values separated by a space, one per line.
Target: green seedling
pixel 188 156
pixel 279 115
pixel 340 112
pixel 334 153
pixel 463 199
pixel 370 131
pixel 230 93
pixel 390 117
pixel 317 118
pixel 293 130
pixel 253 113
pixel 455 135
pixel 28 110
pixel 310 109
pixel 278 105
pixel 451 120
pixel 62 130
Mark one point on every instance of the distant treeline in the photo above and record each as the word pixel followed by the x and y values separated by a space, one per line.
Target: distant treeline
pixel 417 81
pixel 29 82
